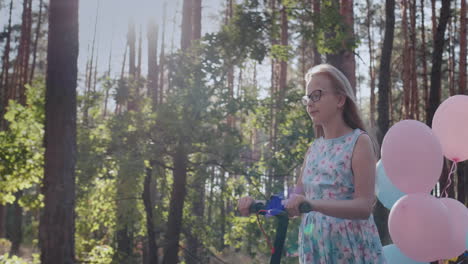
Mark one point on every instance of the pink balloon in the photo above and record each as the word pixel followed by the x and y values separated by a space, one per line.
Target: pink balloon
pixel 450 125
pixel 412 156
pixel 458 214
pixel 418 226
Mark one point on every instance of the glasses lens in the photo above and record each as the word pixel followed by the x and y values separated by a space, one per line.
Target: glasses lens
pixel 305 100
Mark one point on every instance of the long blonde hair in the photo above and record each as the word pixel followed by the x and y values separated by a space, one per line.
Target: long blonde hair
pixel 342 86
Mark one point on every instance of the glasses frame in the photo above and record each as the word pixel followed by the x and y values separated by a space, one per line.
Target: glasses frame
pixel 314 96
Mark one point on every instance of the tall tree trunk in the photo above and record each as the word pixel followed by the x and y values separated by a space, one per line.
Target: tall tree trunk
pixel 4 77
pixel 132 104
pixel 381 214
pixel 57 225
pixel 316 8
pixel 434 20
pixel 36 40
pixel 197 18
pixel 462 167
pixel 451 56
pixel 371 63
pixel 16 232
pixel 344 59
pixel 193 240
pixel 413 71
pixel 186 37
pixel 95 75
pixel 283 73
pixel 162 59
pixel 194 245
pixel 174 223
pixel 132 49
pixel 21 72
pixel 424 60
pixel 153 75
pixel 406 66
pixel 149 205
pixel 210 197
pixel 89 74
pixel 140 39
pixel 2 220
pixel 463 48
pixel 348 60
pixel 434 95
pixel 108 87
pixel 222 205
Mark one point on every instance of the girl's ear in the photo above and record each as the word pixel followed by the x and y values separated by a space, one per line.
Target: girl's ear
pixel 341 100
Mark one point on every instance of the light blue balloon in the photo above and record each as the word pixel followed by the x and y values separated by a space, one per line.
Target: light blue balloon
pixel 386 192
pixel 393 255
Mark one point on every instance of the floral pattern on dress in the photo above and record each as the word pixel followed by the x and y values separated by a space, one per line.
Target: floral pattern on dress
pixel 326 239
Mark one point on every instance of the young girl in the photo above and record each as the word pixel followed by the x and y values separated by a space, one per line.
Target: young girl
pixel 337 178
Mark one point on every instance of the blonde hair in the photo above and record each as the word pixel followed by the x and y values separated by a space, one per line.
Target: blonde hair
pixel 342 86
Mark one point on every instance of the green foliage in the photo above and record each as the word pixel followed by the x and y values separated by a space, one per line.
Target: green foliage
pixel 21 149
pixel 331 33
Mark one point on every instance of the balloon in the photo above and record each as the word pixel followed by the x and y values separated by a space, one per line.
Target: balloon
pixel 386 191
pixel 412 157
pixel 418 226
pixel 451 127
pixel 393 255
pixel 459 217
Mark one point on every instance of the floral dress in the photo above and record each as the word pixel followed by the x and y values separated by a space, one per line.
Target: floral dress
pixel 324 239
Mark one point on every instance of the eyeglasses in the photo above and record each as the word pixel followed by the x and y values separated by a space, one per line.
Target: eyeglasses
pixel 313 96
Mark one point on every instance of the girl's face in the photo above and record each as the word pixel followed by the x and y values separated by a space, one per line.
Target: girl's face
pixel 323 104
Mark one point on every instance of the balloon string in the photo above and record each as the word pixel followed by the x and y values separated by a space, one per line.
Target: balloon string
pixel 452 171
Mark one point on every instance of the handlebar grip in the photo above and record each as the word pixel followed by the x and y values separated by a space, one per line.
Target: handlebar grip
pixel 255 207
pixel 305 207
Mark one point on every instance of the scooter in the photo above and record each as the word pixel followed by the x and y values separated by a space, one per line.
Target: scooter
pixel 275 207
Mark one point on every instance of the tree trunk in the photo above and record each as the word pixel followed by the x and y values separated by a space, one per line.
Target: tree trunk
pixel 424 60
pixel 371 63
pixel 4 78
pixel 16 230
pixel 460 187
pixel 316 8
pixel 283 73
pixel 2 220
pixel 89 74
pixel 149 205
pixel 434 20
pixel 413 71
pixel 186 37
pixel 194 245
pixel 36 40
pixel 138 69
pixel 451 58
pixel 381 214
pixel 57 225
pixel 434 95
pixel 406 66
pixel 463 48
pixel 132 104
pixel 197 17
pixel 153 75
pixel 348 60
pixel 132 49
pixel 174 223
pixel 162 59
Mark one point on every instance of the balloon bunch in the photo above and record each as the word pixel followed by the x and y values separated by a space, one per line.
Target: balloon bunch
pixel 423 227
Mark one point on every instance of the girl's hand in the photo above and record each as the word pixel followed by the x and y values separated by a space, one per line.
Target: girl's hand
pixel 292 204
pixel 244 204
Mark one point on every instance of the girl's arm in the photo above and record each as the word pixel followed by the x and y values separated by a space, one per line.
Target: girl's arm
pixel 360 207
